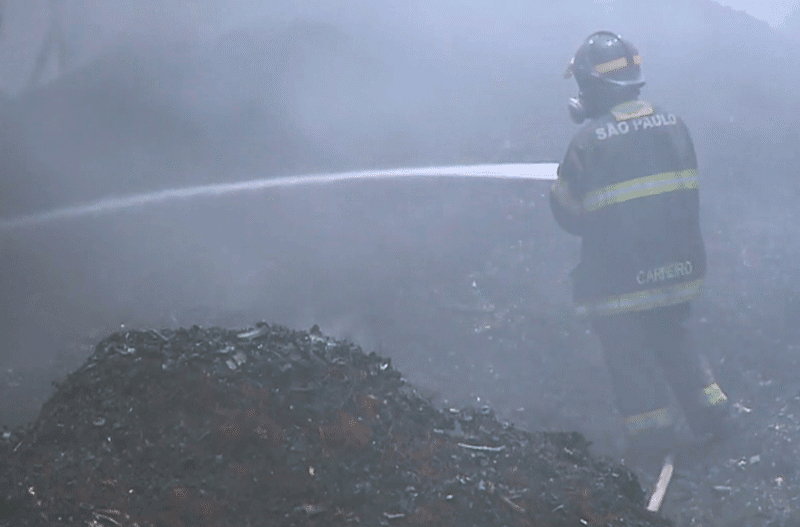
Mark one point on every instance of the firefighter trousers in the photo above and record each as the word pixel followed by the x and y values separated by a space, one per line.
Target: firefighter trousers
pixel 649 352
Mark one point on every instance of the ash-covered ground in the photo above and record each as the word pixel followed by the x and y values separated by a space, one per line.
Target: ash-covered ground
pixel 473 310
pixel 276 427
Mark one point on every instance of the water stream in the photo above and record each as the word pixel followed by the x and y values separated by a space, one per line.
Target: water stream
pixel 536 171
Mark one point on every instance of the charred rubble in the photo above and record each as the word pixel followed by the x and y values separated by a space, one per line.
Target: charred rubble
pixel 275 427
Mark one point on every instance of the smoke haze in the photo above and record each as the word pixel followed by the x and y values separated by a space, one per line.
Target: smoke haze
pixel 158 95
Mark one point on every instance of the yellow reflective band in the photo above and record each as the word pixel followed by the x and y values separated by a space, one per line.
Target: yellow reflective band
pixel 611 65
pixel 640 188
pixel 641 300
pixel 616 64
pixel 632 110
pixel 636 424
pixel 713 395
pixel 564 197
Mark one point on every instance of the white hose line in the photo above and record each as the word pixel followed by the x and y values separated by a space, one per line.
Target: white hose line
pixel 530 171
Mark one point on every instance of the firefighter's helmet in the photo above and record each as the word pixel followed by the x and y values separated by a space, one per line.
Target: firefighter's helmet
pixel 606 57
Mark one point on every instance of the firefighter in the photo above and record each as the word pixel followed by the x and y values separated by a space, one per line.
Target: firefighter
pixel 628 186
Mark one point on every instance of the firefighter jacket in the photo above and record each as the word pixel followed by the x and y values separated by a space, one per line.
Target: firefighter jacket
pixel 628 186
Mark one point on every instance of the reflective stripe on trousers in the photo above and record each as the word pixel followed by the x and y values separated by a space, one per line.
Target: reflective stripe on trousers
pixel 641 300
pixel 649 421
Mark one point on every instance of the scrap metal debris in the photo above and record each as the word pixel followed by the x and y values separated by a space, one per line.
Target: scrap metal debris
pixel 275 427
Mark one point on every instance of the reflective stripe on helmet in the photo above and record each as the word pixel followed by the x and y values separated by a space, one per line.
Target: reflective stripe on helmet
pixel 648 421
pixel 606 56
pixel 640 188
pixel 616 64
pixel 641 300
pixel 713 395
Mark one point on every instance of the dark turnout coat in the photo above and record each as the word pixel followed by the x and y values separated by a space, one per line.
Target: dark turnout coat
pixel 628 186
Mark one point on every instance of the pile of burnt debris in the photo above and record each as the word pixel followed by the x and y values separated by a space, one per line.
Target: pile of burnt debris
pixel 274 427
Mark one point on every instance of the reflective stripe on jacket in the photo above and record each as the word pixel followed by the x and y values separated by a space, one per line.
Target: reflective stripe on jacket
pixel 629 187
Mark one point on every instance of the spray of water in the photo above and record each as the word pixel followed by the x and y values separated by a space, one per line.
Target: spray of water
pixel 534 171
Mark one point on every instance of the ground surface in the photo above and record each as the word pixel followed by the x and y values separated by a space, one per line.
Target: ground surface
pixel 465 288
pixel 109 417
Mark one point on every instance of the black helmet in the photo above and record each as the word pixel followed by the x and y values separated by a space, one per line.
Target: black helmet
pixel 607 57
